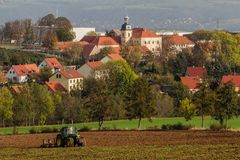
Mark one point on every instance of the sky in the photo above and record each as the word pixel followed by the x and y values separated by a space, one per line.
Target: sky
pixel 185 15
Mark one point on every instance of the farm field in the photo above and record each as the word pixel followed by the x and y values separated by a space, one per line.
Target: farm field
pixel 128 145
pixel 126 124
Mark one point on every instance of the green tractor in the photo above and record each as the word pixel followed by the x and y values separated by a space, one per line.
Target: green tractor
pixel 68 137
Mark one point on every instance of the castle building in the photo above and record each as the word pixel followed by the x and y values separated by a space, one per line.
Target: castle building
pixel 140 36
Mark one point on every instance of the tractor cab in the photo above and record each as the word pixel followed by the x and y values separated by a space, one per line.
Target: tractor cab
pixel 69 131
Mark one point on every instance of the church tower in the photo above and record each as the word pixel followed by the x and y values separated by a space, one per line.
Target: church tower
pixel 126 31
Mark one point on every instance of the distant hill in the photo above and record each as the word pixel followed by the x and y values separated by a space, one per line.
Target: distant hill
pixel 105 14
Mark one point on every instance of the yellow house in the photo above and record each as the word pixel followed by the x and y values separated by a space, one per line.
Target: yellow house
pixel 93 70
pixel 69 78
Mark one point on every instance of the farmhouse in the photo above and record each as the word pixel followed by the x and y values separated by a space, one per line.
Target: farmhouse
pixel 235 80
pixel 70 79
pixel 52 63
pixel 178 43
pixel 93 70
pixel 21 73
pixel 193 71
pixel 191 83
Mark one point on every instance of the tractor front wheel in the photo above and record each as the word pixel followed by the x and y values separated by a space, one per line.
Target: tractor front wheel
pixel 59 141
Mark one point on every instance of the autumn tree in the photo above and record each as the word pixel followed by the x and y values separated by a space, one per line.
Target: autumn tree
pixel 226 106
pixel 121 77
pixel 74 52
pixel 132 54
pixel 43 102
pixel 187 108
pixel 6 103
pixel 47 20
pixel 98 100
pixel 141 101
pixel 204 99
pixel 50 41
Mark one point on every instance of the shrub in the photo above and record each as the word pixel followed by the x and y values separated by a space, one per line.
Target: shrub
pixel 153 128
pixel 55 130
pixel 85 128
pixel 33 131
pixel 46 130
pixel 217 127
pixel 178 126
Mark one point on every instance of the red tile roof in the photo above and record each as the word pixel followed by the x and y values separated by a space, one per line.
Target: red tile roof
pixel 234 79
pixel 115 57
pixel 24 70
pixel 179 40
pixel 190 82
pixel 53 63
pixel 104 40
pixel 196 71
pixel 88 39
pixel 143 49
pixel 70 73
pixel 66 45
pixel 95 65
pixel 143 33
pixel 87 50
pixel 56 87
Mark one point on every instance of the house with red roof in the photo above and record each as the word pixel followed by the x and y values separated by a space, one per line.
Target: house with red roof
pixel 21 73
pixel 235 80
pixel 178 43
pixel 112 57
pixel 70 79
pixel 193 71
pixel 96 44
pixel 141 36
pixel 191 83
pixel 93 70
pixel 55 87
pixel 66 45
pixel 52 63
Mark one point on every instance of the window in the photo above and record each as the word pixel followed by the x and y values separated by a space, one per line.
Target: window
pixel 148 42
pixel 157 42
pixel 123 34
pixel 58 76
pixel 153 49
pixel 10 72
pixel 74 81
pixel 145 42
pixel 152 42
pixel 129 34
pixel 70 81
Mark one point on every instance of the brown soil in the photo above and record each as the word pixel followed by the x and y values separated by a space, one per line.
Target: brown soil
pixel 122 138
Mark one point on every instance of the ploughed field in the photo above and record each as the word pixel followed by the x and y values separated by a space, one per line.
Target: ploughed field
pixel 128 145
pixel 123 138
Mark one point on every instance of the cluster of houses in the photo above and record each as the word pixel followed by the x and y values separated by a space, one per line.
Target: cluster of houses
pixel 66 79
pixel 194 77
pixel 63 78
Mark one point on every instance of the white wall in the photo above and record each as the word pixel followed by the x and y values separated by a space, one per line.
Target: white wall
pixel 81 32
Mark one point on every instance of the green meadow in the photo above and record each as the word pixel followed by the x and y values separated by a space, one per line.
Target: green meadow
pixel 130 124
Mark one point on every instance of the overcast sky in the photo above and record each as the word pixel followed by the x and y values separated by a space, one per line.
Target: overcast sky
pixel 105 14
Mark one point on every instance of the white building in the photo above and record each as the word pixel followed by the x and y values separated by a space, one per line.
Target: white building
pixel 21 73
pixel 81 32
pixel 141 36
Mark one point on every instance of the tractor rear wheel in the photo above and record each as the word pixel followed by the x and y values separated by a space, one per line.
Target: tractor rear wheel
pixel 59 141
pixel 70 142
